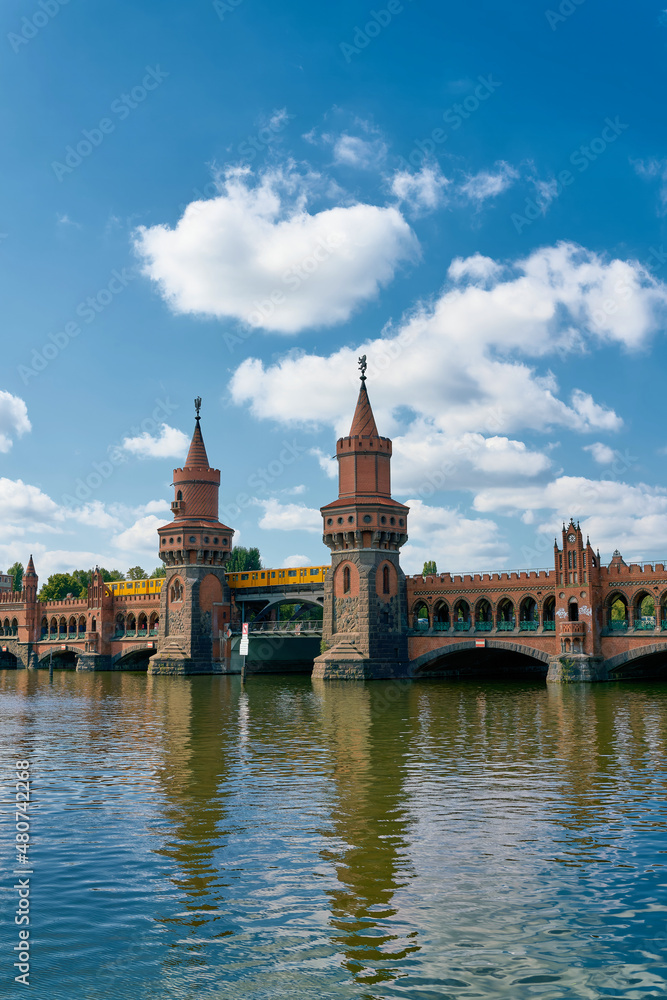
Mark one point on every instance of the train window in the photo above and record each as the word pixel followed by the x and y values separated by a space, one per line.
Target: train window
pixel 273 574
pixel 291 572
pixel 244 576
pixel 314 572
pixel 263 575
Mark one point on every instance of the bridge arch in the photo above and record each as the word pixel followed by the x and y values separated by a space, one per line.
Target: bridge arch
pixel 441 614
pixel 305 601
pixel 137 658
pixel 63 659
pixel 420 614
pixel 465 658
pixel 9 661
pixel 642 661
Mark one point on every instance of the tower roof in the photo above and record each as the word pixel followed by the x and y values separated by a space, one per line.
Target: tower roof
pixel 30 569
pixel 197 457
pixel 363 423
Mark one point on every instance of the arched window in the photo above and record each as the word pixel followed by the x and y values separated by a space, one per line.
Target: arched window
pixel 154 623
pixel 528 618
pixel 93 625
pixel 346 579
pixel 441 617
pixel 644 612
pixel 505 615
pixel 483 616
pixel 45 627
pixel 15 626
pixel 176 591
pixel 420 616
pixel 62 627
pixel 82 625
pixel 142 624
pixel 54 627
pixel 179 495
pixel 385 580
pixel 549 615
pixel 461 616
pixel 573 611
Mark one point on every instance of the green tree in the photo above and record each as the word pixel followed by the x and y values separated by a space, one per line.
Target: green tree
pixel 430 569
pixel 82 577
pixel 159 571
pixel 16 571
pixel 111 575
pixel 243 559
pixel 136 573
pixel 58 586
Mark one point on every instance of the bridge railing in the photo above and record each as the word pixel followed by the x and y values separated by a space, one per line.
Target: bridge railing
pixel 296 628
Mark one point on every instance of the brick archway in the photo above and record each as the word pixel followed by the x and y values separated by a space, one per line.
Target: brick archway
pixel 631 655
pixel 421 663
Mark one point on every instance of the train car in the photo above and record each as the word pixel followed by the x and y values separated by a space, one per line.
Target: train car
pixel 125 588
pixel 254 578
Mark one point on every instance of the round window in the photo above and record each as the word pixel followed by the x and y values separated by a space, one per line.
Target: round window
pixel 171 541
pixel 401 522
pixel 215 541
pixel 206 541
pixel 367 518
pixel 224 541
pixel 192 539
pixel 392 520
pixel 330 520
pixel 340 520
pixel 350 519
pixel 383 520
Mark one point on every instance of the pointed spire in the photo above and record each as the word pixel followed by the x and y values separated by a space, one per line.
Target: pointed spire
pixel 30 570
pixel 363 422
pixel 197 457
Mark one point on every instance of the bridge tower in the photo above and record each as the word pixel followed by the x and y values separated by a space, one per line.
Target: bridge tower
pixel 578 604
pixel 365 602
pixel 195 602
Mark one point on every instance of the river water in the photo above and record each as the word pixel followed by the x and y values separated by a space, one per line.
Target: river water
pixel 294 839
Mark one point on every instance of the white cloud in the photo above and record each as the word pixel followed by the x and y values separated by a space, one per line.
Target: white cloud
pixel 463 364
pixel 422 190
pixel 353 151
pixel 140 538
pixel 255 254
pixel 328 465
pixel 169 443
pixel 488 184
pixel 652 170
pixel 614 514
pixel 13 419
pixel 292 562
pixel 455 542
pixel 288 517
pixel 602 453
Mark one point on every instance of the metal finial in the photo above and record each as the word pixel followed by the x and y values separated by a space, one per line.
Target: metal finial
pixel 198 407
pixel 362 367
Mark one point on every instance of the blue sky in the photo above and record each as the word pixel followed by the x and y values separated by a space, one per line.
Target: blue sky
pixel 235 199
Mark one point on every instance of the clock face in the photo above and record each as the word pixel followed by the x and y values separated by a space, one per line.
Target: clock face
pixel 571 538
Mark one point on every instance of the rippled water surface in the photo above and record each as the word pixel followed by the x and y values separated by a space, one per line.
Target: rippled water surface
pixel 293 839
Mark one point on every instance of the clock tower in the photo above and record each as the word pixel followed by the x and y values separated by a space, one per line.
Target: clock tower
pixel 577 595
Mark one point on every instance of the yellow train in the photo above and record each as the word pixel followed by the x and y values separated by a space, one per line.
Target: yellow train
pixel 123 588
pixel 253 578
pixel 238 581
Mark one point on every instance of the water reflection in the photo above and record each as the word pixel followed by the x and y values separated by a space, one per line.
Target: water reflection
pixel 368 730
pixel 196 839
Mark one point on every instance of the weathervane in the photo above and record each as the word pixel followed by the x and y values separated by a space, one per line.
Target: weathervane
pixel 362 367
pixel 198 407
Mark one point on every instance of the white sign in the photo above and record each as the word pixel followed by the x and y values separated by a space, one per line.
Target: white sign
pixel 246 629
pixel 243 647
